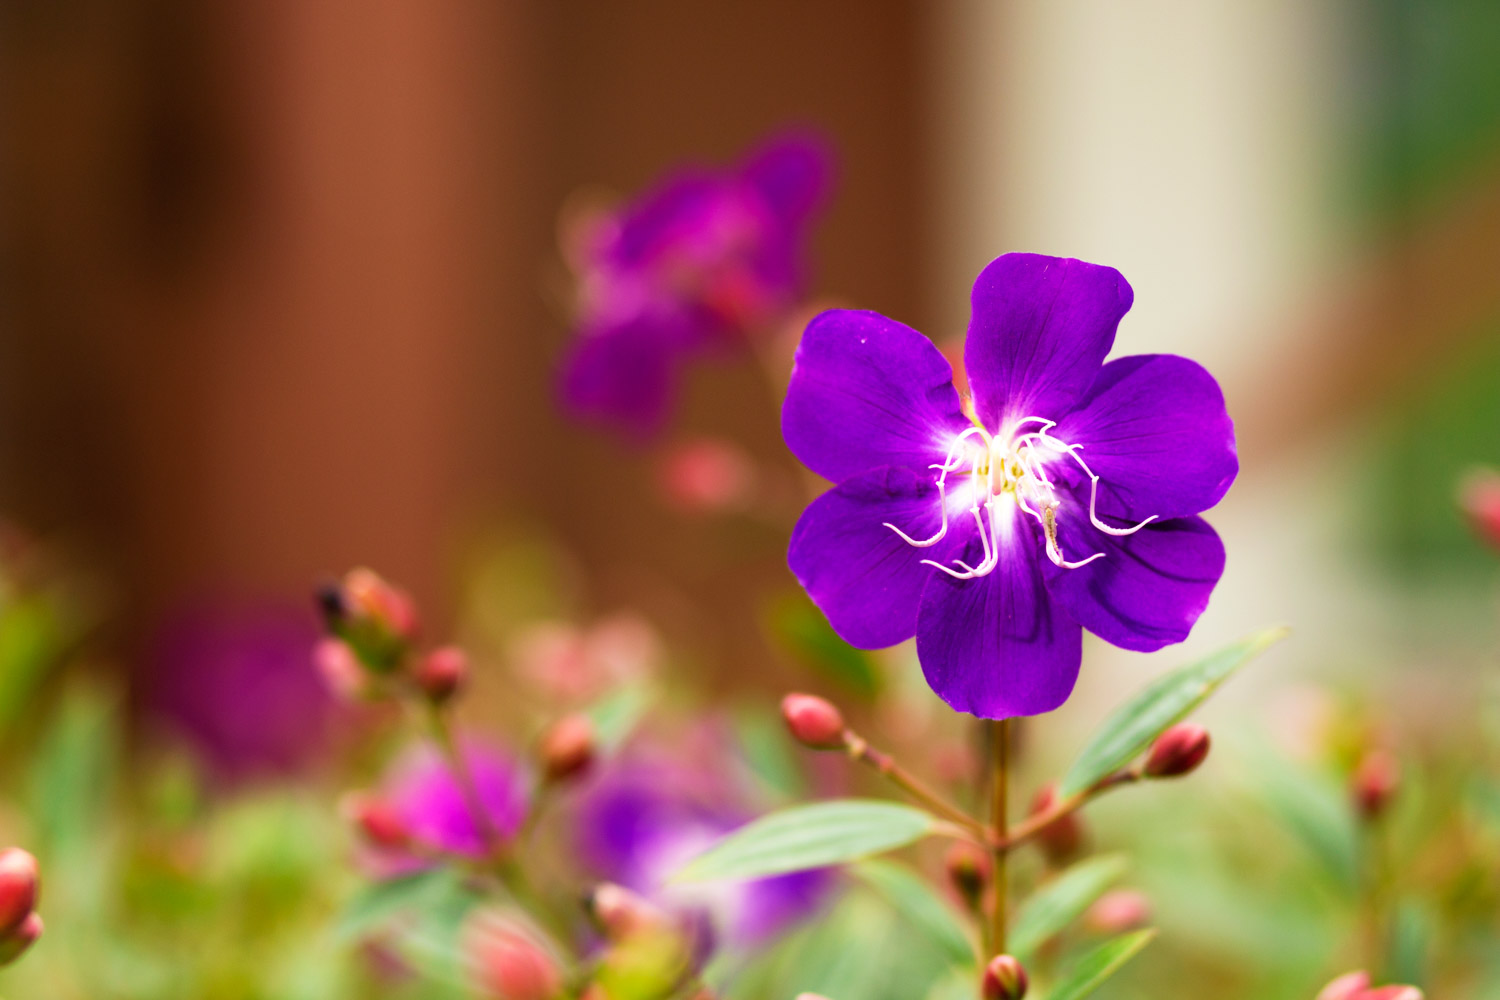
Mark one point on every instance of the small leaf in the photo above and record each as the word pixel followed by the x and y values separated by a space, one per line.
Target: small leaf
pixel 1055 906
pixel 766 749
pixel 616 715
pixel 800 628
pixel 1098 965
pixel 914 899
pixel 810 836
pixel 1167 700
pixel 378 902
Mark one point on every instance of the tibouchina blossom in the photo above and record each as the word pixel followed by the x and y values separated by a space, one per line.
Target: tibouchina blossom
pixel 1061 494
pixel 702 260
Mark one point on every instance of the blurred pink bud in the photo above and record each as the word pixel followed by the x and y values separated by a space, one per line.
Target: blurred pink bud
pixel 367 595
pixel 814 722
pixel 376 820
pixel 1119 911
pixel 1004 979
pixel 1375 783
pixel 442 673
pixel 510 963
pixel 968 869
pixel 14 944
pixel 1061 840
pixel 621 913
pixel 19 881
pixel 707 475
pixel 1356 986
pixel 1479 499
pixel 567 747
pixel 1177 751
pixel 811 996
pixel 341 670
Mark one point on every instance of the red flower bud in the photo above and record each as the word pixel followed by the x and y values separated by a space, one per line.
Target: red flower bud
pixel 969 869
pixel 1375 782
pixel 510 963
pixel 14 944
pixel 1060 840
pixel 1004 979
pixel 1479 499
pixel 567 748
pixel 341 670
pixel 1177 751
pixel 18 888
pixel 1119 911
pixel 442 673
pixel 377 820
pixel 377 620
pixel 813 721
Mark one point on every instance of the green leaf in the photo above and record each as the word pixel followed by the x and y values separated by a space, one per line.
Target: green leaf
pixel 914 899
pixel 1164 702
pixel 766 749
pixel 800 628
pixel 810 836
pixel 72 776
pixel 1098 965
pixel 378 902
pixel 1053 907
pixel 616 715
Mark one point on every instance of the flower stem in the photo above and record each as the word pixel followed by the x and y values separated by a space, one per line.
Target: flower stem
pixel 885 765
pixel 999 821
pixel 442 734
pixel 1033 825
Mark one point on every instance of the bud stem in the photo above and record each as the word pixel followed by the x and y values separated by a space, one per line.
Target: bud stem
pixel 1032 825
pixel 442 735
pixel 999 821
pixel 885 765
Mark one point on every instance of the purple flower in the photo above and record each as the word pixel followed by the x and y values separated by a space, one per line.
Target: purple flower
pixel 699 262
pixel 426 797
pixel 1061 496
pixel 648 815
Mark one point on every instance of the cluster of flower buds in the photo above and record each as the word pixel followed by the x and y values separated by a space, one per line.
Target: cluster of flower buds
pixel 1375 782
pixel 372 629
pixel 814 722
pixel 1062 839
pixel 1177 751
pixel 1004 979
pixel 20 925
pixel 1479 499
pixel 566 750
pixel 1356 986
pixel 510 961
pixel 652 952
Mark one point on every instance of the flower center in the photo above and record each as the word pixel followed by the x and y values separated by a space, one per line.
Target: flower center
pixel 996 471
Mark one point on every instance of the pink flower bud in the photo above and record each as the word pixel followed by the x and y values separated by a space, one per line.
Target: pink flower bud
pixel 1060 840
pixel 567 748
pixel 18 888
pixel 813 721
pixel 510 963
pixel 369 596
pixel 1177 751
pixel 622 914
pixel 1375 782
pixel 969 870
pixel 1356 986
pixel 442 673
pixel 376 820
pixel 341 671
pixel 14 944
pixel 1479 499
pixel 1119 911
pixel 707 476
pixel 1004 979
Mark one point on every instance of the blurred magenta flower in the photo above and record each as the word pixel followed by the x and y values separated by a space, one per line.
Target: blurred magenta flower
pixel 649 812
pixel 425 797
pixel 239 684
pixel 1061 495
pixel 703 259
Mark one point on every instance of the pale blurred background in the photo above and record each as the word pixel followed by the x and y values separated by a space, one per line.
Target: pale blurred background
pixel 281 288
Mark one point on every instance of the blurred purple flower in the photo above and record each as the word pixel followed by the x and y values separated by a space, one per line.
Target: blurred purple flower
pixel 1061 495
pixel 239 685
pixel 703 259
pixel 651 811
pixel 427 798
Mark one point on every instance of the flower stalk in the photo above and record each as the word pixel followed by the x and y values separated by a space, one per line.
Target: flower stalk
pixel 1000 824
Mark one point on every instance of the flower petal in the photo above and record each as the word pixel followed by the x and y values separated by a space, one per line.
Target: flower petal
pixel 1041 328
pixel 1149 588
pixel 867 392
pixel 997 646
pixel 792 173
pixel 1154 430
pixel 863 576
pixel 625 376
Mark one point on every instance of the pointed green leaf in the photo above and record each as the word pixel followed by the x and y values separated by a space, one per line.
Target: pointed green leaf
pixel 615 716
pixel 810 836
pixel 1053 907
pixel 914 899
pixel 1167 700
pixel 376 903
pixel 1098 965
